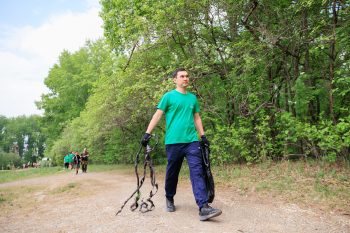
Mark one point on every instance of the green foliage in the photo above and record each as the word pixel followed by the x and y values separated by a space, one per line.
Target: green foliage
pixel 271 79
pixel 70 83
pixel 23 136
pixel 324 140
pixel 9 161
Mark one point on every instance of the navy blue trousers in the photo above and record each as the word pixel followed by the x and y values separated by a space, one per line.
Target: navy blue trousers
pixel 175 154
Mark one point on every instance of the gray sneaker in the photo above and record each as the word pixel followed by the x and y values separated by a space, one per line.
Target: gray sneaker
pixel 170 207
pixel 207 212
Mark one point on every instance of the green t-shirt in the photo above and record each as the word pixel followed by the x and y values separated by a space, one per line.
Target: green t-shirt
pixel 70 160
pixel 179 110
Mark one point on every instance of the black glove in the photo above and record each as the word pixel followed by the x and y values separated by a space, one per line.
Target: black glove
pixel 205 141
pixel 145 139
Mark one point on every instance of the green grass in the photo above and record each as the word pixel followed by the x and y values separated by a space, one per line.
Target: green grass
pixel 9 194
pixel 311 183
pixel 65 188
pixel 110 167
pixel 20 174
pixel 13 175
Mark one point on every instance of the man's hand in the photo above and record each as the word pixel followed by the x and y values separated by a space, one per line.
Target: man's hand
pixel 204 141
pixel 145 139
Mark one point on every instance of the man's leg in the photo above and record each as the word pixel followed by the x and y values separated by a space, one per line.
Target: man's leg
pixel 194 160
pixel 83 166
pixel 175 158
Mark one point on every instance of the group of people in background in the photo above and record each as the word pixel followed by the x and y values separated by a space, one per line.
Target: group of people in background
pixel 74 160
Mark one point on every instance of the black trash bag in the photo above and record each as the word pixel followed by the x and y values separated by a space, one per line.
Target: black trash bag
pixel 209 179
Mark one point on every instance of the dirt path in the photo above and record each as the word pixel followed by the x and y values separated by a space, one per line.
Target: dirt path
pixel 88 203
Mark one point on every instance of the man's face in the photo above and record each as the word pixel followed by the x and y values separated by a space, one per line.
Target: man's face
pixel 182 79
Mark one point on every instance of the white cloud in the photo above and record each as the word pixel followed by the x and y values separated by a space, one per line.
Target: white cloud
pixel 17 97
pixel 68 31
pixel 26 55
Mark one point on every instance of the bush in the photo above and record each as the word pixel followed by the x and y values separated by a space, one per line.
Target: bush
pixel 324 140
pixel 9 160
pixel 255 139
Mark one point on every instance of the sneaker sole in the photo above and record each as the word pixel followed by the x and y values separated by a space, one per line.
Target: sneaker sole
pixel 207 217
pixel 170 210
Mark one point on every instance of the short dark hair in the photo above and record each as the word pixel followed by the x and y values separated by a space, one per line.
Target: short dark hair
pixel 177 71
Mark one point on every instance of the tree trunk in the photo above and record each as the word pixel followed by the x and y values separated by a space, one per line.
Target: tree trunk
pixel 332 57
pixel 295 77
pixel 311 80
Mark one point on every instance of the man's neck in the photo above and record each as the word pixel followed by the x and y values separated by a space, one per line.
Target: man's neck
pixel 181 90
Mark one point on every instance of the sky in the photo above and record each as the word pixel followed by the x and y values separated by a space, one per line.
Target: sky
pixel 33 33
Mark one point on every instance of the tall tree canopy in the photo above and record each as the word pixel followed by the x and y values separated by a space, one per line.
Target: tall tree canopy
pixel 70 83
pixel 272 78
pixel 22 136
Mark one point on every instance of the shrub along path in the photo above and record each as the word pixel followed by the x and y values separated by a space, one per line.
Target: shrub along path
pixel 88 203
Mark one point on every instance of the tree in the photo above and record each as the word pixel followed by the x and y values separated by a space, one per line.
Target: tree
pixel 23 136
pixel 70 83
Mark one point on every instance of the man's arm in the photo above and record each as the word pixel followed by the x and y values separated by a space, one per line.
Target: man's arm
pixel 198 124
pixel 154 121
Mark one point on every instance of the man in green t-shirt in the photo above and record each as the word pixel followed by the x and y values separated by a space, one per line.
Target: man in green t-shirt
pixel 183 124
pixel 70 159
pixel 66 161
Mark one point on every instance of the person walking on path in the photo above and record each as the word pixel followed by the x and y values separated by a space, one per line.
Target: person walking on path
pixel 71 161
pixel 66 161
pixel 183 122
pixel 84 160
pixel 76 160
